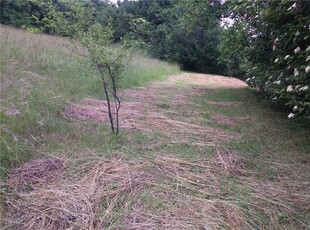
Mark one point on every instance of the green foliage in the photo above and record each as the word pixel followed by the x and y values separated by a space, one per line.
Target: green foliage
pixel 275 49
pixel 186 32
pixel 15 13
pixel 63 18
pixel 206 14
pixel 169 30
pixel 233 43
pixel 19 13
pixel 109 61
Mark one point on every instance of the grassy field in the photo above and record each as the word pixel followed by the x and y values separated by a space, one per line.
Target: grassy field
pixel 195 151
pixel 39 76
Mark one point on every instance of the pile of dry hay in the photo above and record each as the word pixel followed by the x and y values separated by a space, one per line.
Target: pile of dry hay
pixel 146 117
pixel 82 196
pixel 164 192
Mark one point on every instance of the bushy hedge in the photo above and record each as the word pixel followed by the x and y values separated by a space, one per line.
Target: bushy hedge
pixel 277 55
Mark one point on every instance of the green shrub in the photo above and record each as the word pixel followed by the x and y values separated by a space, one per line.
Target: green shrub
pixel 277 51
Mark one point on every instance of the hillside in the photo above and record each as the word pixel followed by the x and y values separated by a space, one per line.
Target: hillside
pixel 196 151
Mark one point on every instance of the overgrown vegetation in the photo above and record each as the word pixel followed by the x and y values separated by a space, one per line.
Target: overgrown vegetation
pixel 271 45
pixel 163 27
pixel 207 155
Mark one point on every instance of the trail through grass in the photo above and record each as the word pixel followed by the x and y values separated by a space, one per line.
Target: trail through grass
pixel 195 152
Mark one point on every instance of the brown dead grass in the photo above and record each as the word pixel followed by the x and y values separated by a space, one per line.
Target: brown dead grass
pixel 163 108
pixel 161 193
pixel 35 172
pixel 247 119
pixel 84 198
pixel 91 109
pixel 221 119
pixel 142 117
pixel 195 196
pixel 207 80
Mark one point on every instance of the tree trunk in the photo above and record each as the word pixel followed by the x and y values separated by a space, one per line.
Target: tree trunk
pixel 116 98
pixel 109 105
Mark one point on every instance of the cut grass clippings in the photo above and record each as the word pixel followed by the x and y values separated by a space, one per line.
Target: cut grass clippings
pixel 181 194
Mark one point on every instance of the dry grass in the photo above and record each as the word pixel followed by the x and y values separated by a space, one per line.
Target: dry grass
pixel 161 193
pixel 195 198
pixel 209 81
pixel 221 119
pixel 140 117
pixel 163 108
pixel 36 172
pixel 85 197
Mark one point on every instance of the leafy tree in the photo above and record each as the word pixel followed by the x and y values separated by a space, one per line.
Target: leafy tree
pixel 170 31
pixel 232 49
pixel 275 46
pixel 17 13
pixel 110 61
pixel 64 18
pixel 59 17
pixel 105 13
pixel 183 31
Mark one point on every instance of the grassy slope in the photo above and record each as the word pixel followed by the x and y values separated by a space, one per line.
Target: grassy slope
pixel 276 149
pixel 39 76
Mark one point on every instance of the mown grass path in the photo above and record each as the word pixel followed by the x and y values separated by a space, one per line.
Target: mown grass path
pixel 195 152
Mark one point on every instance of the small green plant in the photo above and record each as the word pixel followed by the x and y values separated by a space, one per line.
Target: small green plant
pixel 110 61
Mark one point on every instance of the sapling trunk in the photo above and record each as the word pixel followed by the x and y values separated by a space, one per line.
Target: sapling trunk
pixel 105 87
pixel 116 98
pixel 117 108
pixel 109 105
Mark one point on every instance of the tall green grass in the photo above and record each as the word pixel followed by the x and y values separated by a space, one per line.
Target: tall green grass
pixel 265 131
pixel 144 70
pixel 39 76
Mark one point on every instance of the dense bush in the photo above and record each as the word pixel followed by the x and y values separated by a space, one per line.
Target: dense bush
pixel 170 30
pixel 276 51
pixel 63 18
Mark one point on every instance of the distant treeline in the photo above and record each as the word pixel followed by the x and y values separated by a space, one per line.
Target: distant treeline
pixel 265 42
pixel 172 30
